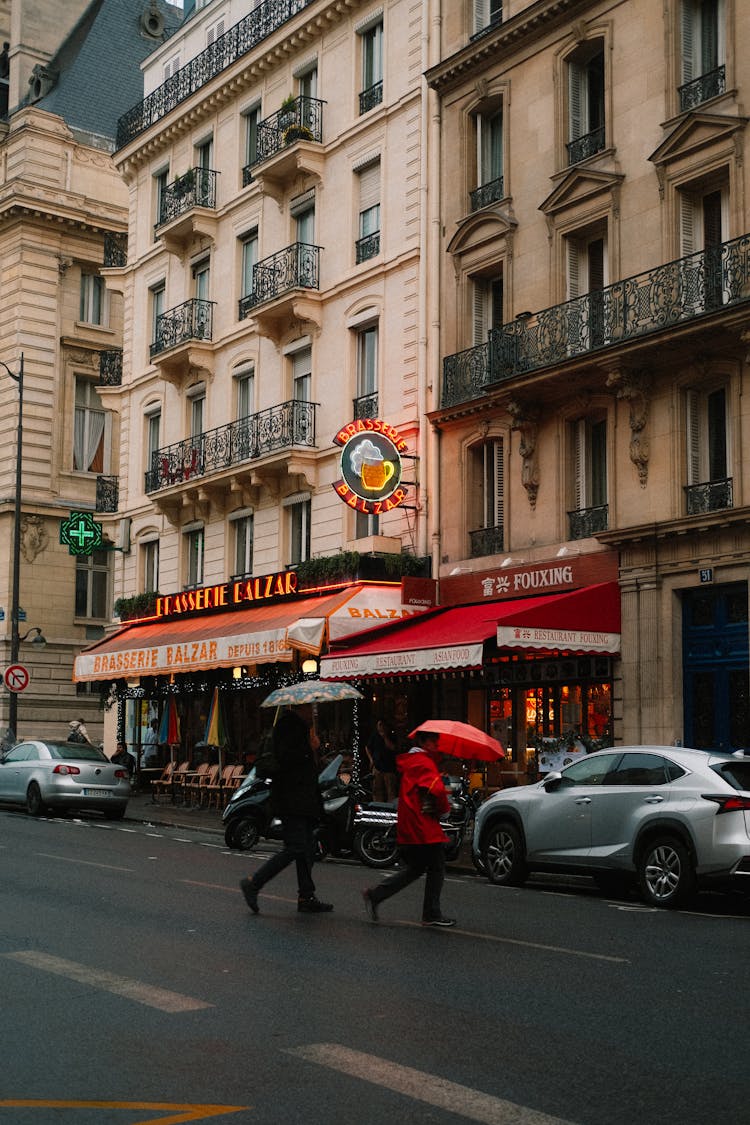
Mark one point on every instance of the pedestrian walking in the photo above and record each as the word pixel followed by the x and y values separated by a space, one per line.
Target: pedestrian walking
pixel 422 800
pixel 296 800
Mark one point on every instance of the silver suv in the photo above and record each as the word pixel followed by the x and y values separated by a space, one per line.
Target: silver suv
pixel 668 816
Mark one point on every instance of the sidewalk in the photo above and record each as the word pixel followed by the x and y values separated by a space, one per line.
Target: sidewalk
pixel 142 808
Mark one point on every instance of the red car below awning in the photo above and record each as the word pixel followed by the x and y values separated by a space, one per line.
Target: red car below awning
pixel 579 621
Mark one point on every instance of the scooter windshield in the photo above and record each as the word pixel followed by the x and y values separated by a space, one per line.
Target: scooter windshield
pixel 331 770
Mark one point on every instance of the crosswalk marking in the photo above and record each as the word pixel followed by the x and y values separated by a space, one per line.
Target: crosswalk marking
pixel 465 1102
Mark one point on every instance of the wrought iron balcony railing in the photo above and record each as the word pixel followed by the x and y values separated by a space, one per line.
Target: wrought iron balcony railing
pixel 711 496
pixel 110 368
pixel 300 120
pixel 222 53
pixel 701 89
pixel 495 21
pixel 107 493
pixel 488 193
pixel 587 145
pixel 295 267
pixel 192 320
pixel 660 299
pixel 370 97
pixel 197 188
pixel 366 406
pixel 486 541
pixel 587 521
pixel 279 427
pixel 115 249
pixel 367 247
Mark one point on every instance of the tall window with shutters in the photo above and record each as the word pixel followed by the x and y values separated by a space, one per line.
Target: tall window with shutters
pixel 589 445
pixel 194 540
pixel 485 14
pixel 586 262
pixel 243 529
pixel 299 514
pixel 586 124
pixel 486 307
pixel 490 182
pixel 249 257
pixel 368 238
pixel 709 486
pixel 486 491
pixel 703 220
pixel 150 565
pixel 302 375
pixel 703 51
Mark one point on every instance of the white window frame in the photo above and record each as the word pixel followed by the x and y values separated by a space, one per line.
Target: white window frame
pixel 486 307
pixel 580 105
pixel 489 147
pixel 302 374
pixel 700 440
pixel 590 477
pixel 91 428
pixel 490 460
pixel 97 569
pixel 251 120
pixel 152 418
pixel 244 391
pixel 243 532
pixel 194 554
pixel 368 349
pixel 150 565
pixel 372 55
pixel 299 519
pixel 249 258
pixel 693 63
pixel 93 304
pixel 485 13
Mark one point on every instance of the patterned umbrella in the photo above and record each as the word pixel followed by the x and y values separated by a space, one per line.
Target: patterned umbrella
pixel 310 691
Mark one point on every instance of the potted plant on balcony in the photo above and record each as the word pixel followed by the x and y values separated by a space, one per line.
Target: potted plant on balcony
pixel 288 113
pixel 297 133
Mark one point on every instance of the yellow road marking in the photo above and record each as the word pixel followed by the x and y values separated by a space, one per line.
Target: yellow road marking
pixel 184 1112
pixel 135 990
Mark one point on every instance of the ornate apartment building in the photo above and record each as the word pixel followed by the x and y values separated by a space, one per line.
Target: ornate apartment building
pixel 593 401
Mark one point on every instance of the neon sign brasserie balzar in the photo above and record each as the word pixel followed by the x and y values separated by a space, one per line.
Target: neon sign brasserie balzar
pixel 228 595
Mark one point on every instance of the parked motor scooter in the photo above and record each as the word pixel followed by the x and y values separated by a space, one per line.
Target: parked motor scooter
pixel 248 817
pixel 375 826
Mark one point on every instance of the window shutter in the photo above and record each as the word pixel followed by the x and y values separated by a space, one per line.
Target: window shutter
pixel 213 32
pixel 688 48
pixel 499 487
pixel 369 186
pixel 579 463
pixel 596 265
pixel 687 226
pixel 574 270
pixel 693 438
pixel 576 100
pixel 479 313
pixel 481 14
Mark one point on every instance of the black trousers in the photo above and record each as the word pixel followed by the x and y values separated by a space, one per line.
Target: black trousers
pixel 419 859
pixel 298 834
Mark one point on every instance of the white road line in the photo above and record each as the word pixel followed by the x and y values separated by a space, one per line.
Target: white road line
pixel 429 1088
pixel 135 990
pixel 85 862
pixel 527 944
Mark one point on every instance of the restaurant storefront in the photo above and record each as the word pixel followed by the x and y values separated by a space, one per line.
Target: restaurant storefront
pixel 236 641
pixel 529 654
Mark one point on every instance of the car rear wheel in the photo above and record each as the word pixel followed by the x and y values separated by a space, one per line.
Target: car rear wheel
pixel 665 873
pixel 504 856
pixel 34 802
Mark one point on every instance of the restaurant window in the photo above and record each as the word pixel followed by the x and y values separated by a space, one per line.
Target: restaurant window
pixel 585 74
pixel 243 532
pixel 298 510
pixel 150 565
pixel 90 429
pixel 194 540
pixel 92 308
pixel 92 585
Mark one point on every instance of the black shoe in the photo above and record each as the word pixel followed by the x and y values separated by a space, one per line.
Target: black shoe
pixel 371 907
pixel 251 894
pixel 313 905
pixel 441 921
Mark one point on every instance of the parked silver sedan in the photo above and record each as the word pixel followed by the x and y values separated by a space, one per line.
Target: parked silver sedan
pixel 670 817
pixel 43 774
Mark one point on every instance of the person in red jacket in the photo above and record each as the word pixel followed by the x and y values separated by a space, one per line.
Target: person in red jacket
pixel 422 800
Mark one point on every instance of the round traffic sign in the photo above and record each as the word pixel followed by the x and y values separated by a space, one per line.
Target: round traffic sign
pixel 16 677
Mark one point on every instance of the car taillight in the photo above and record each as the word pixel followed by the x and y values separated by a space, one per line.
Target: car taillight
pixel 66 769
pixel 732 803
pixel 121 773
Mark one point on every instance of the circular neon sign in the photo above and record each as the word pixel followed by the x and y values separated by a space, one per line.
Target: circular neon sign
pixel 370 466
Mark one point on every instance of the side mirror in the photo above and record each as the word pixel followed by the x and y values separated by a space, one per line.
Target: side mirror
pixel 552 781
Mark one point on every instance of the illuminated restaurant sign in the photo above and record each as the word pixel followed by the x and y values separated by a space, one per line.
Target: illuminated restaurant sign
pixel 228 595
pixel 370 465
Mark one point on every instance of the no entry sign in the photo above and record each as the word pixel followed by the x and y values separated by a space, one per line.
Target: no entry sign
pixel 16 677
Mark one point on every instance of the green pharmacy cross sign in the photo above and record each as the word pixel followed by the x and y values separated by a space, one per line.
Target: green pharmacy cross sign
pixel 80 533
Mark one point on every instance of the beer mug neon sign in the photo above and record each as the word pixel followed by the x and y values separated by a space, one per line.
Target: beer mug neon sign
pixel 370 466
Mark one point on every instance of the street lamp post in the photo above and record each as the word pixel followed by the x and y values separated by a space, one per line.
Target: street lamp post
pixel 15 592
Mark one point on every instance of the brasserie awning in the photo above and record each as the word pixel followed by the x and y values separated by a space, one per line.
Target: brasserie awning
pixel 578 621
pixel 255 635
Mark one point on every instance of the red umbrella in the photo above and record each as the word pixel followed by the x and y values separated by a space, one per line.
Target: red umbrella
pixel 461 740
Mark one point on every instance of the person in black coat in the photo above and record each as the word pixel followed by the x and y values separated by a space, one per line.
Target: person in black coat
pixel 296 800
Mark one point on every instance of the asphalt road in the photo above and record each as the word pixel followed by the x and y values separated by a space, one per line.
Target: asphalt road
pixel 133 976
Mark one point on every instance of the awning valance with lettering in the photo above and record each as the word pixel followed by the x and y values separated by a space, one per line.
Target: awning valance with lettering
pixel 578 621
pixel 258 635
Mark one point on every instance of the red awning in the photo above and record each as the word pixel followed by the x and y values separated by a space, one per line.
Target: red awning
pixel 585 620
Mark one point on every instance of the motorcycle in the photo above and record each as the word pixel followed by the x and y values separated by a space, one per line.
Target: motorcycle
pixel 375 826
pixel 248 817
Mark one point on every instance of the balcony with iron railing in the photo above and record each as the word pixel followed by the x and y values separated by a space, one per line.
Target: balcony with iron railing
pixel 370 98
pixel 278 429
pixel 699 90
pixel 666 298
pixel 187 209
pixel 107 493
pixel 226 49
pixel 283 287
pixel 710 496
pixel 289 144
pixel 487 193
pixel 366 406
pixel 585 522
pixel 367 247
pixel 115 250
pixel 192 320
pixel 110 368
pixel 588 145
pixel 486 541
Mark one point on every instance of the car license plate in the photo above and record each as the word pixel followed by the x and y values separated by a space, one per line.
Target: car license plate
pixel 97 792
